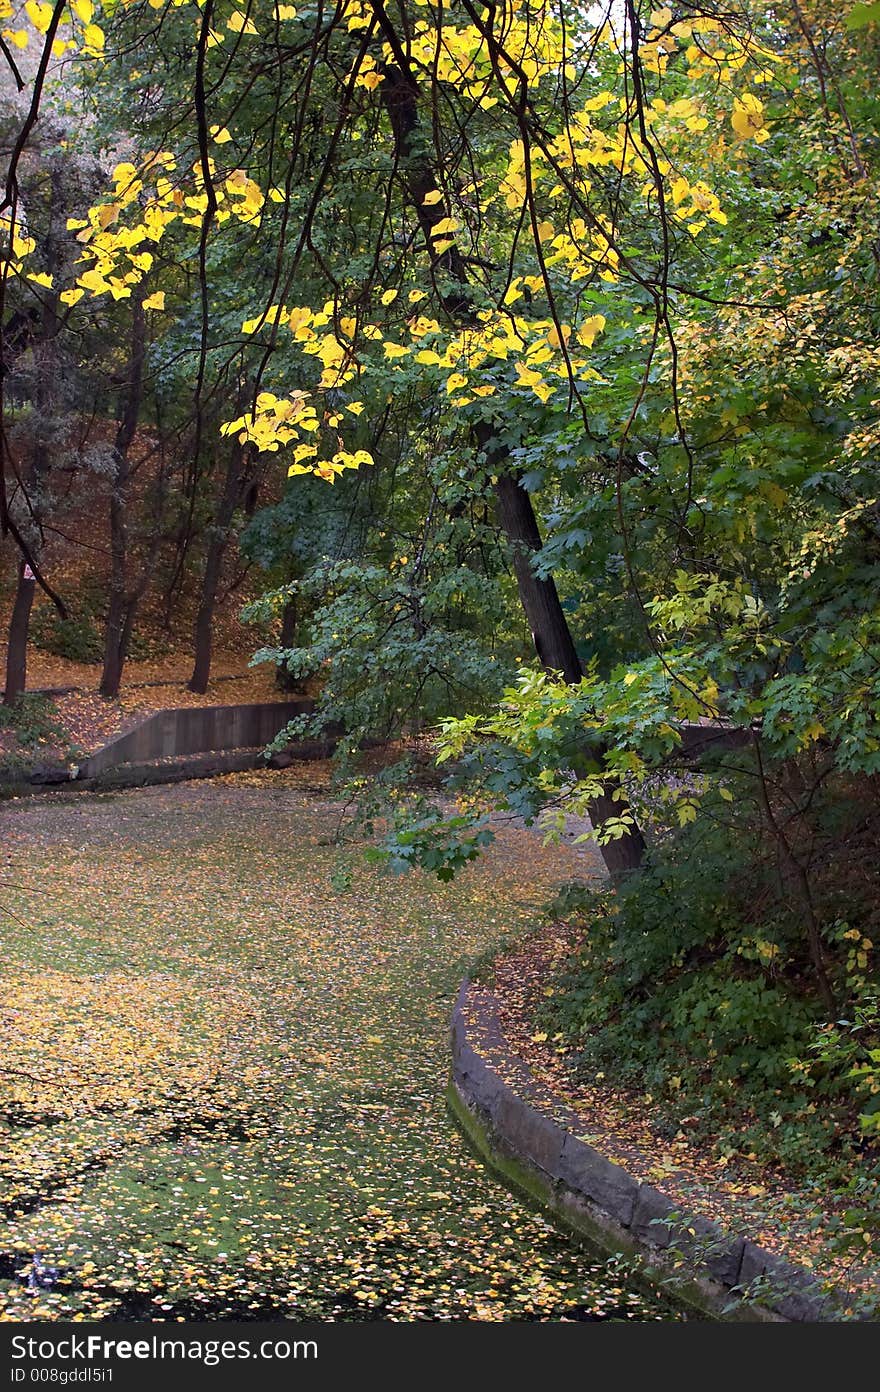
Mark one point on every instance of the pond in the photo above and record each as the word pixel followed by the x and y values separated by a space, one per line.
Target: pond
pixel 224 1077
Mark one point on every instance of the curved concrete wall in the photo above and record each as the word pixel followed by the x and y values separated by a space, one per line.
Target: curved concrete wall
pixel 531 1137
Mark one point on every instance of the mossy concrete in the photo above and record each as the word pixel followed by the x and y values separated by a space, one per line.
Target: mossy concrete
pixel 529 1139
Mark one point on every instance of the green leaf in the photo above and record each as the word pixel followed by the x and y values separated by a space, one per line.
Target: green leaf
pixel 860 16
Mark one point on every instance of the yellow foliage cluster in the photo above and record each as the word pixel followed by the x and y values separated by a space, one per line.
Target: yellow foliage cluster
pixel 119 233
pixel 75 32
pixel 277 422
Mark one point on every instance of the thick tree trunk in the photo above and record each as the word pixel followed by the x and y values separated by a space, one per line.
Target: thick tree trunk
pixel 19 626
pixel 551 635
pixel 234 486
pixel 42 346
pixel 204 629
pixel 556 651
pixel 289 621
pixel 111 675
pixel 115 648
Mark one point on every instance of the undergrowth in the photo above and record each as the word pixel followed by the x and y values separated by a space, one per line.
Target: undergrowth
pixel 693 985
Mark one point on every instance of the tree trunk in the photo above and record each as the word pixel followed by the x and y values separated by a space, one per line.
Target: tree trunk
pixel 19 625
pixel 234 485
pixel 551 635
pixel 111 676
pixel 204 629
pixel 114 645
pixel 556 651
pixel 289 620
pixel 42 346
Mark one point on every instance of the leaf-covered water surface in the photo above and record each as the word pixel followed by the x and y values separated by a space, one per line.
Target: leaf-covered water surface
pixel 223 1079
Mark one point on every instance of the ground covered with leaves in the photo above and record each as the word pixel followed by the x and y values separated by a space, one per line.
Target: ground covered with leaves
pixel 223 1076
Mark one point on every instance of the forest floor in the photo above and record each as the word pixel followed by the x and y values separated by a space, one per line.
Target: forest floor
pixel 75 559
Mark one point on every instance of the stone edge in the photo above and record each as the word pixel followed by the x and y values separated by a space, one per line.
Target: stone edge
pixel 690 1257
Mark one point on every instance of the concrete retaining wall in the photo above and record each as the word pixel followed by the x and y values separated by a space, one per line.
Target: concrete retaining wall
pixel 531 1138
pixel 169 734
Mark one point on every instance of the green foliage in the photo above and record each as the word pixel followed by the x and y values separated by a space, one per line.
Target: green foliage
pixel 393 645
pixel 693 984
pixel 441 845
pixel 32 720
pixel 78 637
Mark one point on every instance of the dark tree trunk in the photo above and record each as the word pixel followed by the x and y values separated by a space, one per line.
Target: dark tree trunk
pixel 19 625
pixel 115 645
pixel 289 620
pixel 204 629
pixel 551 635
pixel 235 484
pixel 42 343
pixel 111 675
pixel 556 651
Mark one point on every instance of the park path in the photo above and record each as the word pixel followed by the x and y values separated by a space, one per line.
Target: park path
pixel 224 1076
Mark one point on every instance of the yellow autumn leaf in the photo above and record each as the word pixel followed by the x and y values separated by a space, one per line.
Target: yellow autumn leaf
pixel 94 282
pixel 596 103
pixel 155 301
pixel 431 198
pixel 240 24
pixel 513 292
pixel 220 135
pixel 590 328
pixel 747 118
pixel 553 335
pixel 444 226
pixel 388 296
pixel 457 380
pixel 39 14
pixel 526 376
